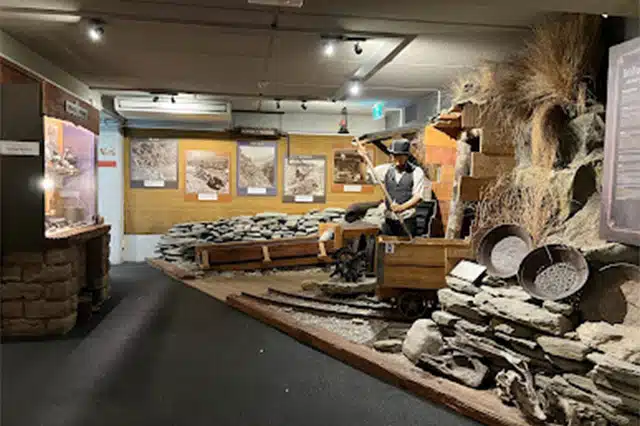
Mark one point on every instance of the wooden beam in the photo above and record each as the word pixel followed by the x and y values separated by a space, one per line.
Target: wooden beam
pixel 481 405
pixel 483 165
pixel 493 144
pixel 471 116
pixel 471 187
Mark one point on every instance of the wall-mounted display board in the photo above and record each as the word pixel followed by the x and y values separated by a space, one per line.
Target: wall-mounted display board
pixel 620 218
pixel 207 176
pixel 305 179
pixel 350 170
pixel 154 163
pixel 257 168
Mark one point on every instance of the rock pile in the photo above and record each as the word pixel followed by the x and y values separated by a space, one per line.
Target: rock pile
pixel 534 352
pixel 178 245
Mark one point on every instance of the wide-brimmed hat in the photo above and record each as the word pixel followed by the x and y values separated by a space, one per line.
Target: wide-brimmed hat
pixel 400 147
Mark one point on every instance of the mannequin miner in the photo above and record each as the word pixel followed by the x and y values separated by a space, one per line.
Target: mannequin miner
pixel 405 184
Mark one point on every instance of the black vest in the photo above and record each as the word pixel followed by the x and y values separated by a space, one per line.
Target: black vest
pixel 402 191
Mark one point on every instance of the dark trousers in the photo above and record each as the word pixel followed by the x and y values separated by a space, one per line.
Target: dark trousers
pixel 394 227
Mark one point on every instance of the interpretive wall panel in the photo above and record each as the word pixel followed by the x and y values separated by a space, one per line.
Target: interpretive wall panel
pixel 620 212
pixel 154 212
pixel 305 178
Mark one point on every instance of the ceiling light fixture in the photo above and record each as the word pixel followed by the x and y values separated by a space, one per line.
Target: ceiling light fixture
pixel 303 105
pixel 605 15
pixel 156 98
pixel 357 48
pixel 95 31
pixel 355 88
pixel 329 49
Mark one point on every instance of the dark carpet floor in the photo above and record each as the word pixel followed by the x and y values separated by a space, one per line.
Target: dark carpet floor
pixel 163 353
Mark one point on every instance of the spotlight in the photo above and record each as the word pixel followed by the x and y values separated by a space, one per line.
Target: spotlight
pixel 277 103
pixel 47 184
pixel 95 31
pixel 156 98
pixel 357 48
pixel 329 48
pixel 605 15
pixel 303 105
pixel 173 99
pixel 355 88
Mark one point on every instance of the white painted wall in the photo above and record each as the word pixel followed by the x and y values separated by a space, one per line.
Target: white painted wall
pixel 111 185
pixel 18 53
pixel 137 248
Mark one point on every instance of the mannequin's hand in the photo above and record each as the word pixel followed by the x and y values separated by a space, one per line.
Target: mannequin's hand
pixel 396 208
pixel 362 151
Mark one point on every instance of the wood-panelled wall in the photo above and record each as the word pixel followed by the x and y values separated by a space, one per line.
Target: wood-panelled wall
pixel 154 211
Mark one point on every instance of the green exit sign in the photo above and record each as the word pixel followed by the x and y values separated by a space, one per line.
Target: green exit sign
pixel 378 111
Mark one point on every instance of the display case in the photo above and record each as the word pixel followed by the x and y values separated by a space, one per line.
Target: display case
pixel 70 176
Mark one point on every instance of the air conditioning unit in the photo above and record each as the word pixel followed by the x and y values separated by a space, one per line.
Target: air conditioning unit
pixel 175 109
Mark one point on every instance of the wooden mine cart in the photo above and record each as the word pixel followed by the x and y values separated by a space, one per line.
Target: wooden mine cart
pixel 412 271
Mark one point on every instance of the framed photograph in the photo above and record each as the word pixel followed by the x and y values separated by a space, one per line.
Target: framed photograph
pixel 257 168
pixel 154 163
pixel 207 176
pixel 305 179
pixel 349 171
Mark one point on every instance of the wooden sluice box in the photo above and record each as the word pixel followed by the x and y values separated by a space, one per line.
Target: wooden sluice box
pixel 247 255
pixel 420 265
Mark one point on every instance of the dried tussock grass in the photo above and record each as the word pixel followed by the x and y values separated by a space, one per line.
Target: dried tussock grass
pixel 552 69
pixel 526 200
pixel 559 58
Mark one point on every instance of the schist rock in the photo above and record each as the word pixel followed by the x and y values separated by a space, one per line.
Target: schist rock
pixel 462 286
pixel 523 313
pixel 388 345
pixel 616 340
pixel 422 338
pixel 564 348
pixel 261 227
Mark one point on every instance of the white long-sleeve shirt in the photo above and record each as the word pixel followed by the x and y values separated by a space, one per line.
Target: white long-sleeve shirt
pixel 418 185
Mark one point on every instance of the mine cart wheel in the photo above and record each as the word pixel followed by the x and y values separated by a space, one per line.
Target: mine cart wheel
pixel 414 305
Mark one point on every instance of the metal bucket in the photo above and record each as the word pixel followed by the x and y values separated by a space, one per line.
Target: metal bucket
pixel 553 272
pixel 502 249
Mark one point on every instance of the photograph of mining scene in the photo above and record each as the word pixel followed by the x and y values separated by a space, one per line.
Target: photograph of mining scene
pixel 154 160
pixel 349 168
pixel 305 176
pixel 256 166
pixel 207 172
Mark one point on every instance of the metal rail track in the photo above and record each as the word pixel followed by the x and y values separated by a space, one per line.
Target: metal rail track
pixel 325 308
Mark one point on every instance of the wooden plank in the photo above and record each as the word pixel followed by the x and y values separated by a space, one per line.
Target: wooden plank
pixel 483 165
pixel 471 116
pixel 276 263
pixel 409 255
pixel 421 241
pixel 492 144
pixel 414 277
pixel 253 250
pixel 265 254
pixel 171 269
pixel 436 137
pixel 481 405
pixel 453 255
pixel 471 187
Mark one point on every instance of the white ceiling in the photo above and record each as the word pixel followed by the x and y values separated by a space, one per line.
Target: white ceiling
pixel 238 50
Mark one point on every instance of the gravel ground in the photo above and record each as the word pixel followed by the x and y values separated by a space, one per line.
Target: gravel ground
pixel 360 331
